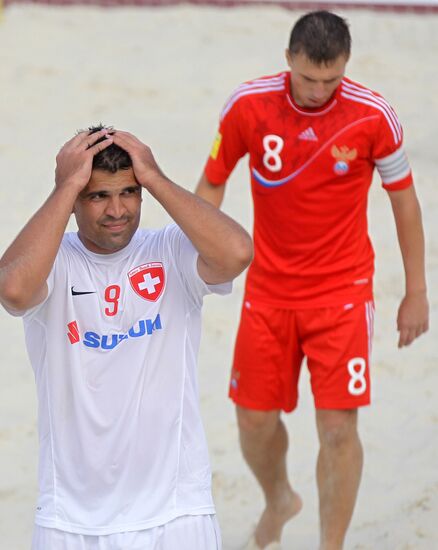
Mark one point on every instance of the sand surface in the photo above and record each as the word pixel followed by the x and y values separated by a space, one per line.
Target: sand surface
pixel 164 74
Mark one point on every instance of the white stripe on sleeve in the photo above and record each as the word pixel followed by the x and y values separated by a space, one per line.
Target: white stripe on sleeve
pixel 394 167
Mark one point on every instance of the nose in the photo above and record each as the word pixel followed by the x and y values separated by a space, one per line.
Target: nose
pixel 115 207
pixel 319 90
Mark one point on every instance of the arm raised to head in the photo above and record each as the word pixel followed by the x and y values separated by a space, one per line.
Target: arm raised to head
pixel 26 264
pixel 225 248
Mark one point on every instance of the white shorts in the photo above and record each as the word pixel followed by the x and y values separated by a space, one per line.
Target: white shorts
pixel 183 533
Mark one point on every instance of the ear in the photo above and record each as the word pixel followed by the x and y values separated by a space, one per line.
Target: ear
pixel 288 57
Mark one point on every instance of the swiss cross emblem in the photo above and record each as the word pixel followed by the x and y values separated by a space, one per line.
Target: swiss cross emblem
pixel 147 280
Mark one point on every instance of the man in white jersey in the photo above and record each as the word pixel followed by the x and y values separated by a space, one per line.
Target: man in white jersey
pixel 112 320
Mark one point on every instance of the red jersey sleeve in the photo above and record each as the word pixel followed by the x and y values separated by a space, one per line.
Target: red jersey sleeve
pixel 389 155
pixel 229 145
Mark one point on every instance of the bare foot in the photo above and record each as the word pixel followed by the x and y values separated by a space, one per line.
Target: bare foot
pixel 274 517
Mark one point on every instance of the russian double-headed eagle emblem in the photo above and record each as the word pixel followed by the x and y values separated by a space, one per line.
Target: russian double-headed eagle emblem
pixel 343 156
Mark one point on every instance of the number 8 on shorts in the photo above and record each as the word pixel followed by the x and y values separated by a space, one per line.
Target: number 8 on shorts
pixel 357 384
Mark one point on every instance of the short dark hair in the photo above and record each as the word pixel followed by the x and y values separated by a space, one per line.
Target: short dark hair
pixel 111 159
pixel 322 36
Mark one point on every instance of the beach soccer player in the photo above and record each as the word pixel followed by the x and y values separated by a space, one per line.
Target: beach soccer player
pixel 314 138
pixel 112 318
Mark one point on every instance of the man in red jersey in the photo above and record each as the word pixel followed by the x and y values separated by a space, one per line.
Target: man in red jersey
pixel 314 138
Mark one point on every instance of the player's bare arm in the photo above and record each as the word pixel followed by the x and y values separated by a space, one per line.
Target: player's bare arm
pixel 224 247
pixel 413 313
pixel 214 194
pixel 27 262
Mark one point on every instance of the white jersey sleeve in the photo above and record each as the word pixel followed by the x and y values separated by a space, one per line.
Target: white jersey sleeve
pixel 185 257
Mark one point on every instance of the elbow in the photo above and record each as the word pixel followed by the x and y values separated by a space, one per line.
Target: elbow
pixel 12 296
pixel 9 298
pixel 231 256
pixel 247 252
pixel 242 254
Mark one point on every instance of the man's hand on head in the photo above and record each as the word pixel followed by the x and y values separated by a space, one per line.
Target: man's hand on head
pixel 145 167
pixel 74 162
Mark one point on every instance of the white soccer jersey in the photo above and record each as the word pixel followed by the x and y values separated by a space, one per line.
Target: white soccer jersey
pixel 114 350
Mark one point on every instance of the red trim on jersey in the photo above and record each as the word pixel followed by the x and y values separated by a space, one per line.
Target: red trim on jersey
pixel 399 185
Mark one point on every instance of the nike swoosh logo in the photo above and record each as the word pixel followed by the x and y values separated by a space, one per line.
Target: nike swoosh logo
pixel 76 293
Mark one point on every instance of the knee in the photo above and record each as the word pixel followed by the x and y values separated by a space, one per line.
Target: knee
pixel 256 423
pixel 337 429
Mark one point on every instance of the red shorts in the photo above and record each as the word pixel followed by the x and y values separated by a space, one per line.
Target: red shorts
pixel 271 344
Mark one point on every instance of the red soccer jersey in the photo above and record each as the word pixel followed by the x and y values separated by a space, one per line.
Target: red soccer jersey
pixel 311 170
